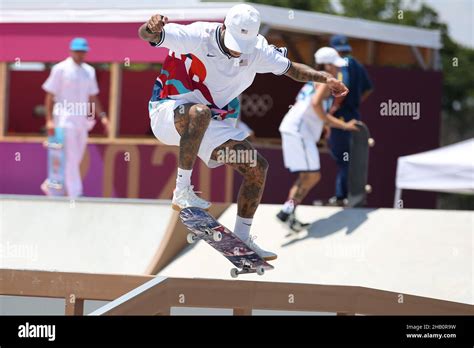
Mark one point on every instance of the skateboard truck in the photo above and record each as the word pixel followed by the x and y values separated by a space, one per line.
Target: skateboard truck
pixel 55 146
pixel 54 185
pixel 246 269
pixel 215 235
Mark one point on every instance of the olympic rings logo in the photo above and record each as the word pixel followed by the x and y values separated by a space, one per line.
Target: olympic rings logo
pixel 256 105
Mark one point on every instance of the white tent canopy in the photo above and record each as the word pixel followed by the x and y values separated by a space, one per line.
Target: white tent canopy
pixel 447 169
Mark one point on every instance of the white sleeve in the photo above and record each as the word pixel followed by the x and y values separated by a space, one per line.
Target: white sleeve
pixel 180 38
pixel 93 87
pixel 53 82
pixel 272 59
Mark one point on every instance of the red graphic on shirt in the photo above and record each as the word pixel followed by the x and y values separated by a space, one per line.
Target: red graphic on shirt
pixel 177 79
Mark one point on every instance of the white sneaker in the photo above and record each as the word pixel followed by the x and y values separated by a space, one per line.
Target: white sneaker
pixel 266 255
pixel 187 198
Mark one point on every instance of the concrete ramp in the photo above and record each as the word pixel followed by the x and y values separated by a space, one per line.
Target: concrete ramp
pixel 85 235
pixel 420 252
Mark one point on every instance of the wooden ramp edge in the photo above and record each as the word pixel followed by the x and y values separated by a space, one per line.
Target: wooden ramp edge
pixel 148 295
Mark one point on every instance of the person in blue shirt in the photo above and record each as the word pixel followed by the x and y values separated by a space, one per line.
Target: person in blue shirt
pixel 356 78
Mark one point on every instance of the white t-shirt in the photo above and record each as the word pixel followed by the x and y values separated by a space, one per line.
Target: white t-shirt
pixel 72 85
pixel 301 119
pixel 197 69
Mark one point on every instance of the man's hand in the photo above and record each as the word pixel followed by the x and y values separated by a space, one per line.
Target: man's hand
pixel 338 89
pixel 351 126
pixel 156 23
pixel 50 127
pixel 303 73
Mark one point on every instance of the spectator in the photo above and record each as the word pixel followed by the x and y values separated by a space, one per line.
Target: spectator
pixel 355 77
pixel 71 101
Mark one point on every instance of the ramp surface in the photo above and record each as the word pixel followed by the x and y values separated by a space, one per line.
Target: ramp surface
pixel 85 235
pixel 420 252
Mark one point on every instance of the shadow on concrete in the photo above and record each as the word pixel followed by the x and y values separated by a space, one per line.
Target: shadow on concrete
pixel 346 219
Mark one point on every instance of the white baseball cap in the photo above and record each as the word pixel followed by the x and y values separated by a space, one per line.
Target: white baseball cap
pixel 328 55
pixel 242 26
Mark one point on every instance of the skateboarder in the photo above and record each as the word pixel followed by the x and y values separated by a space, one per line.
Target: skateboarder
pixel 301 129
pixel 194 103
pixel 356 78
pixel 71 102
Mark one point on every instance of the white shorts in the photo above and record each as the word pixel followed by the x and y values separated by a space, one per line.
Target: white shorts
pixel 218 132
pixel 300 154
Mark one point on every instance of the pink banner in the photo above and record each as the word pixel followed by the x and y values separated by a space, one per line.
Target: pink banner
pixel 49 42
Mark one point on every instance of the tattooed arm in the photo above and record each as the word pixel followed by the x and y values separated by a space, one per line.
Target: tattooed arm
pixel 303 73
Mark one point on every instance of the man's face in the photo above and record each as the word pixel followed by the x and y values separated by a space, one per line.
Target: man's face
pixel 235 54
pixel 332 69
pixel 78 56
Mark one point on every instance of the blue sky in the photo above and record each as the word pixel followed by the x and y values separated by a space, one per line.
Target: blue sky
pixel 459 15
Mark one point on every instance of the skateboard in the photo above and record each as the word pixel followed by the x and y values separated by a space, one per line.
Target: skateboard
pixel 359 166
pixel 204 226
pixel 56 162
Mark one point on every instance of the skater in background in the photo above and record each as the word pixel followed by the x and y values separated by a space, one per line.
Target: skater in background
pixel 301 129
pixel 71 103
pixel 346 108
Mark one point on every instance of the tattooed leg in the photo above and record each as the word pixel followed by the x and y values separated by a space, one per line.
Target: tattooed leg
pixel 191 122
pixel 252 187
pixel 305 182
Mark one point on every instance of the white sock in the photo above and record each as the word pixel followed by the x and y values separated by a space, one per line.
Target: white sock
pixel 183 178
pixel 242 227
pixel 289 206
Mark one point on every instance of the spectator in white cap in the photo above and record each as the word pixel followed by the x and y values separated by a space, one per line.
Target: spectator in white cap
pixel 195 100
pixel 71 103
pixel 301 129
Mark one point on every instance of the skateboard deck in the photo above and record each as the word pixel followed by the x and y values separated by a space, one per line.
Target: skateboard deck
pixel 56 162
pixel 359 166
pixel 204 226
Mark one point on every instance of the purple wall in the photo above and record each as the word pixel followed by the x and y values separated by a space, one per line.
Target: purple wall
pixel 150 173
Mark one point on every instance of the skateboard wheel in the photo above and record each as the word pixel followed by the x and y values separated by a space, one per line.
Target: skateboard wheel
pixel 217 236
pixel 191 238
pixel 234 272
pixel 371 142
pixel 260 270
pixel 368 188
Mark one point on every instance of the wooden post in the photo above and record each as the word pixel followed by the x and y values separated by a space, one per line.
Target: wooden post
pixel 3 98
pixel 428 57
pixel 114 98
pixel 242 311
pixel 293 48
pixel 164 311
pixel 74 306
pixel 370 52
